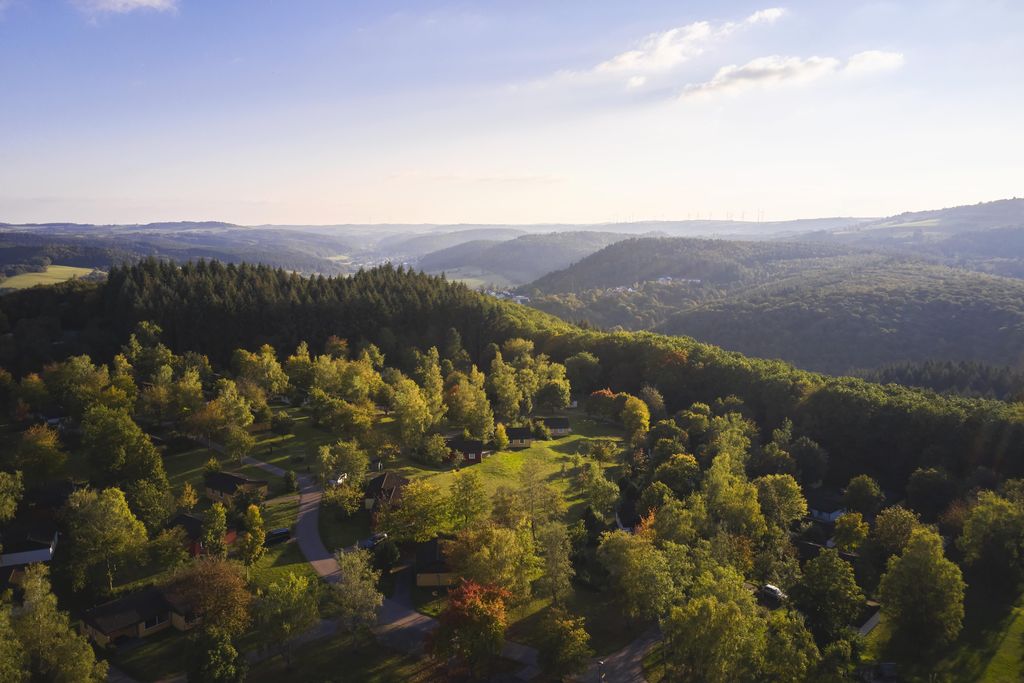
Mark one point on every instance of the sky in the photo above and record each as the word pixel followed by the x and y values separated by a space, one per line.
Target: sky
pixel 517 111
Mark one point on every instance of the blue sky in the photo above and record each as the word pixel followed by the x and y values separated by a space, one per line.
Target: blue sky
pixel 309 111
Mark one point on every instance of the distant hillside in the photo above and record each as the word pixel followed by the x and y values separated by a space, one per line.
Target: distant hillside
pixel 986 237
pixel 421 245
pixel 521 259
pixel 824 307
pixel 716 262
pixel 892 311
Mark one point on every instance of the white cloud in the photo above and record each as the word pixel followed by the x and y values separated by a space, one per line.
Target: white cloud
pixel 874 60
pixel 663 51
pixel 775 70
pixel 766 16
pixel 124 6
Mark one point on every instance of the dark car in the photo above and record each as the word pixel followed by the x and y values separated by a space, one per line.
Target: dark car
pixel 275 536
pixel 373 541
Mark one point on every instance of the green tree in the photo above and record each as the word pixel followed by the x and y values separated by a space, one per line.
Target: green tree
pixel 636 418
pixel 564 647
pixel 680 473
pixel 472 627
pixel 602 495
pixel 11 489
pixel 262 369
pixel 653 498
pixel 422 515
pixel 709 640
pixel 504 391
pixel 850 531
pixel 188 498
pixel 343 457
pixel 215 527
pixel 790 654
pixel 892 530
pixel 252 540
pixel 828 595
pixel 863 495
pixel 238 443
pixel 500 438
pixel 469 501
pixel 557 570
pixel 103 533
pixel 39 455
pixel 993 539
pixel 215 659
pixel 287 608
pixel 355 594
pixel 412 413
pixel 930 491
pixel 782 501
pixel 922 593
pixel 13 658
pixel 428 372
pixel 496 555
pixel 584 372
pixel 639 574
pixel 55 649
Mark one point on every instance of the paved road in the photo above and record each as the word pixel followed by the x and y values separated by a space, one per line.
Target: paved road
pixel 626 665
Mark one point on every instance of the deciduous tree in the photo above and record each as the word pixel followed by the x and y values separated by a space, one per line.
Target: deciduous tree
pixel 828 595
pixel 103 533
pixel 355 593
pixel 472 627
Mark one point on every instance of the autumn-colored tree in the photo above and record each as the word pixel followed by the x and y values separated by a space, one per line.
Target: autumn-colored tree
pixel 472 627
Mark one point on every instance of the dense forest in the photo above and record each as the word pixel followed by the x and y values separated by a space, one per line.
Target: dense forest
pixel 964 378
pixel 885 430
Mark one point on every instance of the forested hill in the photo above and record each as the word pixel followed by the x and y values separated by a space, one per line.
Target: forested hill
pixel 209 308
pixel 717 262
pixel 840 318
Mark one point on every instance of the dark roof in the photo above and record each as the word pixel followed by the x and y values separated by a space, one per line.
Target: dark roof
pixel 386 486
pixel 824 500
pixel 519 433
pixel 20 537
pixel 462 445
pixel 131 609
pixel 192 524
pixel 229 482
pixel 430 557
pixel 556 422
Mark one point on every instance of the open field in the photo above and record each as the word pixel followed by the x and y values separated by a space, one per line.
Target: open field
pixel 51 276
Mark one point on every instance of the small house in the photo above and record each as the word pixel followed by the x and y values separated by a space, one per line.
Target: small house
pixel 222 487
pixel 519 437
pixel 467 451
pixel 384 489
pixel 137 615
pixel 192 525
pixel 432 568
pixel 557 426
pixel 825 505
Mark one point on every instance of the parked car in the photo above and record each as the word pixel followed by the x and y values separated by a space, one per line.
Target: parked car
pixel 772 592
pixel 275 536
pixel 373 541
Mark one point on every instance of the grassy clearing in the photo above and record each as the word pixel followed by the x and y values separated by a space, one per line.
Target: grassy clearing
pixel 341 532
pixel 502 468
pixel 51 276
pixel 990 648
pixel 153 658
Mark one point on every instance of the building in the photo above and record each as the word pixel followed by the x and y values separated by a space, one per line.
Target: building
pixel 432 568
pixel 519 437
pixel 137 615
pixel 384 489
pixel 470 451
pixel 557 426
pixel 223 486
pixel 193 528
pixel 825 505
pixel 28 543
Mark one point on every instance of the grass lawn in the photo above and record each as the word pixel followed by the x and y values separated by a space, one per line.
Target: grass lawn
pixel 502 468
pixel 279 561
pixel 153 658
pixel 341 658
pixel 990 648
pixel 341 532
pixel 52 276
